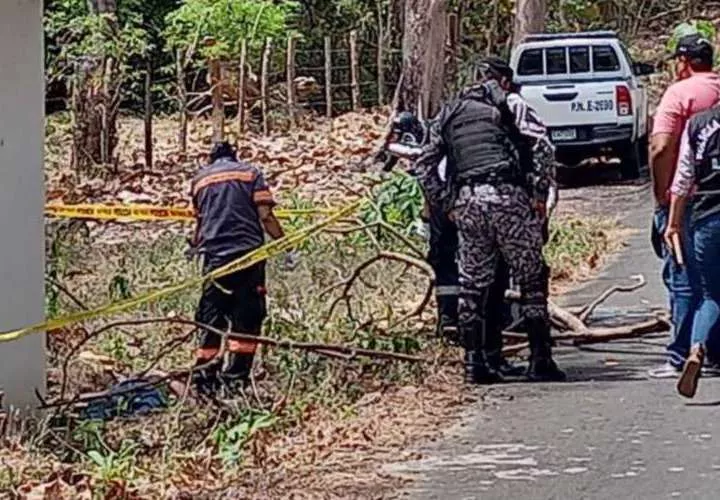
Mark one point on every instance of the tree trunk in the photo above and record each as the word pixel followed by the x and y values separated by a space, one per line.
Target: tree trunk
pixel 423 70
pixel 96 99
pixel 529 18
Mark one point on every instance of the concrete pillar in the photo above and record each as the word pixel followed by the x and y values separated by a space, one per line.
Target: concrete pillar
pixel 22 196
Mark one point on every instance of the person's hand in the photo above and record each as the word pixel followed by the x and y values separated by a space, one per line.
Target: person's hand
pixel 671 233
pixel 291 260
pixel 672 242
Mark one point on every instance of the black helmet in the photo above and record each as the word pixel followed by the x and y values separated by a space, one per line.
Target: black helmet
pixel 222 150
pixel 494 68
pixel 407 123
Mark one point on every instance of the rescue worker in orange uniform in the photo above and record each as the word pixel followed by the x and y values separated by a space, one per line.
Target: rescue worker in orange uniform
pixel 234 208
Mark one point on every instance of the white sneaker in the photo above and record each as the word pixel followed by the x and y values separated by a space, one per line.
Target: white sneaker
pixel 710 371
pixel 665 371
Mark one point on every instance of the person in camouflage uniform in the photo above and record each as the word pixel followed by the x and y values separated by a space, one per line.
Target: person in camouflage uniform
pixel 542 184
pixel 486 193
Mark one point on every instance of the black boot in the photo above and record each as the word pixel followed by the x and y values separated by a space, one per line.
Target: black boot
pixel 472 330
pixel 447 326
pixel 206 380
pixel 505 368
pixel 542 368
pixel 477 370
pixel 235 375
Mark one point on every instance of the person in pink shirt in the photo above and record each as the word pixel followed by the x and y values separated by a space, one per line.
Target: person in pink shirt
pixel 697 89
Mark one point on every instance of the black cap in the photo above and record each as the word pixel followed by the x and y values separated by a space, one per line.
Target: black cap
pixel 494 67
pixel 694 47
pixel 222 149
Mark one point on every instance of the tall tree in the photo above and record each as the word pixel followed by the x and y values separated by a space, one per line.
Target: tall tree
pixel 423 70
pixel 530 18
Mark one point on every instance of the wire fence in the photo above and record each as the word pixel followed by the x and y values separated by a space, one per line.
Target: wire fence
pixel 290 78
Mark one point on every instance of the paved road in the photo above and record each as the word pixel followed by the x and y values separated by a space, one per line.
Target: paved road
pixel 609 433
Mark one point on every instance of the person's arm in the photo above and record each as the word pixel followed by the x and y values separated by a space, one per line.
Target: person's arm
pixel 662 152
pixel 269 222
pixel 264 201
pixel 533 129
pixel 667 126
pixel 433 151
pixel 682 185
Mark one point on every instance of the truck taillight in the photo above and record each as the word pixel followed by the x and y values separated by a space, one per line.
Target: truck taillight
pixel 623 99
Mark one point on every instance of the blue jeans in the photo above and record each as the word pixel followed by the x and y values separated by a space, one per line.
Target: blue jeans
pixel 706 238
pixel 683 290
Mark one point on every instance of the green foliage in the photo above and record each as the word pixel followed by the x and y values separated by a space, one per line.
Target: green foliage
pixel 227 23
pixel 398 201
pixel 231 437
pixel 81 36
pixel 111 465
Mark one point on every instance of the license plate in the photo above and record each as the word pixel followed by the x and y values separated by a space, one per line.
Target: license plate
pixel 592 105
pixel 563 134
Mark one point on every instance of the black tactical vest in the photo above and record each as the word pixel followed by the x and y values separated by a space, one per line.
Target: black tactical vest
pixel 704 135
pixel 479 145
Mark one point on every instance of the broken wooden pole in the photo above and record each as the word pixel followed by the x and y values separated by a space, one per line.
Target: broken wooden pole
pixel 218 104
pixel 380 60
pixel 290 70
pixel 354 72
pixel 182 99
pixel 241 89
pixel 264 85
pixel 328 77
pixel 148 115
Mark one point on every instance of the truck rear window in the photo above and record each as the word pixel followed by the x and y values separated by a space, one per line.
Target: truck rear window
pixel 531 62
pixel 556 61
pixel 579 59
pixel 605 58
pixel 574 59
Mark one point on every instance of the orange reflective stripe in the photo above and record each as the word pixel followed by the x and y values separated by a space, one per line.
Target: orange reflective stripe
pixel 207 353
pixel 242 346
pixel 223 177
pixel 262 196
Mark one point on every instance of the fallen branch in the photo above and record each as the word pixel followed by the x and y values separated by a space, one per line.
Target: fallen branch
pixel 588 309
pixel 334 350
pixel 348 282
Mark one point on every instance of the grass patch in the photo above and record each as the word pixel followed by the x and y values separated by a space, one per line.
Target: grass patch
pixel 577 247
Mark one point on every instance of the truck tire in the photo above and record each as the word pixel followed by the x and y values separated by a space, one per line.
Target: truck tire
pixel 633 158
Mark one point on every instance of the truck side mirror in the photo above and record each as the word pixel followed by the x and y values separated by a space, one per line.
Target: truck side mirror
pixel 643 69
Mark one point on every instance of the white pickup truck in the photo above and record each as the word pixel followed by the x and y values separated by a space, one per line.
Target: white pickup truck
pixel 587 90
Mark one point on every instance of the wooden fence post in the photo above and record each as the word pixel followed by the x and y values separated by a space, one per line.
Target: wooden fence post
pixel 264 85
pixel 328 77
pixel 182 98
pixel 290 63
pixel 148 115
pixel 354 85
pixel 380 61
pixel 218 103
pixel 241 90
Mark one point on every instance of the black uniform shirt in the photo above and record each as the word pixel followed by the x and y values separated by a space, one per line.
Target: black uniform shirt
pixel 225 196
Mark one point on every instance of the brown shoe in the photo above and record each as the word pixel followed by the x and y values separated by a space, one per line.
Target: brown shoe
pixel 688 381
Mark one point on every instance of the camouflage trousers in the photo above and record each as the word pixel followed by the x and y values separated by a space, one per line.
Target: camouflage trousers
pixel 494 222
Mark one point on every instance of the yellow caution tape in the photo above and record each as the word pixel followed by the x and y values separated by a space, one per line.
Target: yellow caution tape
pixel 263 253
pixel 148 212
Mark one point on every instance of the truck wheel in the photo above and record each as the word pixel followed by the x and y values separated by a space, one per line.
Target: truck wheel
pixel 633 158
